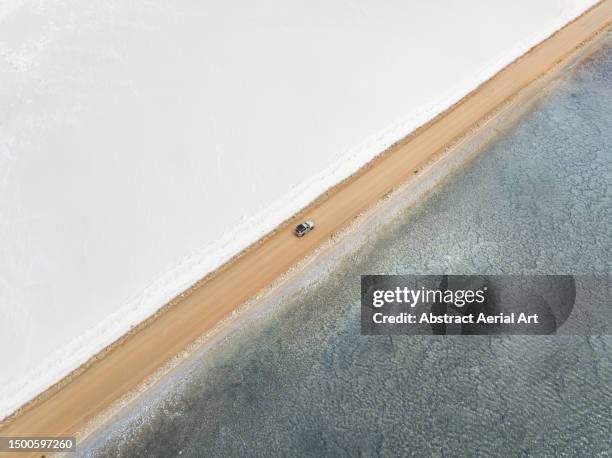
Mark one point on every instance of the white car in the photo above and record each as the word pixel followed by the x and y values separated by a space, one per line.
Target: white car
pixel 303 228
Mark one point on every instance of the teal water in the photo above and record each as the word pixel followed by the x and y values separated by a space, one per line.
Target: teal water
pixel 305 382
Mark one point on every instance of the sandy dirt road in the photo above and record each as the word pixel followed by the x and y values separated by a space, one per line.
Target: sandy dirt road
pixel 66 410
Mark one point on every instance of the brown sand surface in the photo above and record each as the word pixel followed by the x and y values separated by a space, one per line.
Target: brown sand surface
pixel 66 408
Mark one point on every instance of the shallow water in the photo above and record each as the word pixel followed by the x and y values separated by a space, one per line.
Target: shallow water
pixel 304 381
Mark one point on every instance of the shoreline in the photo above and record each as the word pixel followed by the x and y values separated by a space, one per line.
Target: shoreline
pixel 313 269
pixel 59 411
pixel 200 254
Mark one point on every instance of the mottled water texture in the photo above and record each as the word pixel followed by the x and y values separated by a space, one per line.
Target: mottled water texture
pixel 303 381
